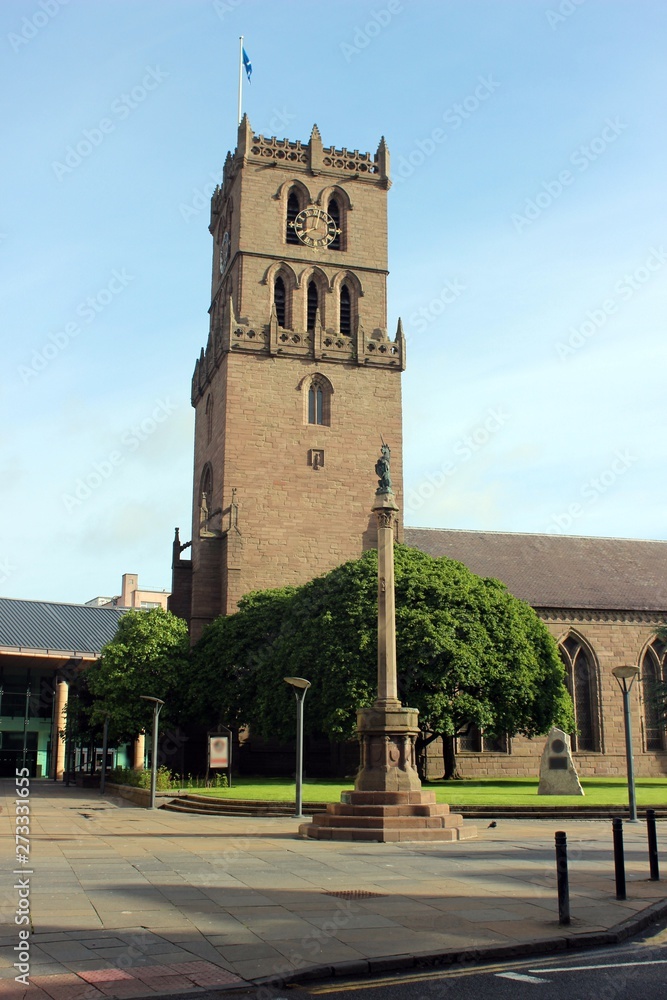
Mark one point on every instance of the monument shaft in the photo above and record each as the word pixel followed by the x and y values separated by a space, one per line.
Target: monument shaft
pixel 387 675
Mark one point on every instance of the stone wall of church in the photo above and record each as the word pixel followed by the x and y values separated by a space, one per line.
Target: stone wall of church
pixel 610 639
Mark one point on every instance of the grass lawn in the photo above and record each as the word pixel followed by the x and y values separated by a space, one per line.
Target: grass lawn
pixel 478 792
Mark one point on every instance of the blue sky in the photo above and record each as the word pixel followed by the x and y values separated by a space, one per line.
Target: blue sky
pixel 528 256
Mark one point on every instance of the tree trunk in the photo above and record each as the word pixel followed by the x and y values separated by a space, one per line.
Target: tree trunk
pixel 452 772
pixel 421 744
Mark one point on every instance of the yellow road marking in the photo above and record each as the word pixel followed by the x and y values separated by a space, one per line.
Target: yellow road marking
pixel 451 973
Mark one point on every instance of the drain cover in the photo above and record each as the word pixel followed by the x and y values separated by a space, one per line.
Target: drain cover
pixel 354 894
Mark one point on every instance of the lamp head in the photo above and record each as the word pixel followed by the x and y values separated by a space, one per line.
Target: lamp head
pixel 148 697
pixel 625 677
pixel 297 682
pixel 625 673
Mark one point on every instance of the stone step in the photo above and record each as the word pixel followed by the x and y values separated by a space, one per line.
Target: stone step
pixel 204 805
pixel 355 834
pixel 389 822
pixel 387 798
pixel 407 809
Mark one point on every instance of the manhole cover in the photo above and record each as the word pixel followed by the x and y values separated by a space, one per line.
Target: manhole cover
pixel 354 893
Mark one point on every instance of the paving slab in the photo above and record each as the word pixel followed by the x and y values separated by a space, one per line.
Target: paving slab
pixel 126 902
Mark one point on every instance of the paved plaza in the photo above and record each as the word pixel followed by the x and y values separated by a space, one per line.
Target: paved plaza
pixel 125 902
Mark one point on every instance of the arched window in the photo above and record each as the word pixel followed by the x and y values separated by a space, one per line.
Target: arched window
pixel 279 299
pixel 209 419
pixel 317 399
pixel 581 682
pixel 345 311
pixel 311 305
pixel 652 674
pixel 206 487
pixel 334 212
pixel 293 209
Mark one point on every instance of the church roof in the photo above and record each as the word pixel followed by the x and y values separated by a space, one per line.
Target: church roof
pixel 559 571
pixel 47 626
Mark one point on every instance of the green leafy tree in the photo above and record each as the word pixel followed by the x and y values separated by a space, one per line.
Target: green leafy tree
pixel 468 653
pixel 149 655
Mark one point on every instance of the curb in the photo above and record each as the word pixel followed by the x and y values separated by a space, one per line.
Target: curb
pixel 541 946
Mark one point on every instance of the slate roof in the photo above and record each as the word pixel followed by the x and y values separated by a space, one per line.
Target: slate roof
pixel 45 625
pixel 559 571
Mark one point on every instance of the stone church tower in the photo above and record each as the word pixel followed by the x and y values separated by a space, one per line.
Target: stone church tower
pixel 299 380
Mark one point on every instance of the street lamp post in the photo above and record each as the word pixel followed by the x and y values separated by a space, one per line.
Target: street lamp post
pixel 157 706
pixel 299 685
pixel 626 678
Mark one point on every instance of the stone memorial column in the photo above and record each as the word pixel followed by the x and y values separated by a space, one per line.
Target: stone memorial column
pixel 387 803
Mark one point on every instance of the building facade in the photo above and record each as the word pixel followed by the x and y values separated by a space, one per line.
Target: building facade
pixel 43 648
pixel 298 385
pixel 602 599
pixel 132 596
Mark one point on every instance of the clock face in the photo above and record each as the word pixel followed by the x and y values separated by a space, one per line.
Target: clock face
pixel 224 253
pixel 315 228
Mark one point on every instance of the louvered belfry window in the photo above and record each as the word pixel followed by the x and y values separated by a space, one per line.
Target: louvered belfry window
pixel 345 311
pixel 334 212
pixel 312 305
pixel 279 299
pixel 292 212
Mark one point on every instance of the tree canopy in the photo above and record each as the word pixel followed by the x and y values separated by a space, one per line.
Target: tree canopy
pixel 468 652
pixel 147 656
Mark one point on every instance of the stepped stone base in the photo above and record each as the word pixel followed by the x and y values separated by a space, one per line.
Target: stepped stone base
pixel 388 816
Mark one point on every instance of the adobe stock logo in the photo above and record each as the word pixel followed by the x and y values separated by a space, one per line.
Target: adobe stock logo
pixel 131 440
pixel 88 310
pixel 453 118
pixel 121 108
pixel 581 158
pixel 625 288
pixel 465 448
pixel 364 35
pixel 592 490
pixel 31 26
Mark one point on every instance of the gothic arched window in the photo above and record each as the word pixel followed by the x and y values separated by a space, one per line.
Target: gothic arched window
pixel 345 311
pixel 312 303
pixel 652 673
pixel 293 209
pixel 279 299
pixel 581 682
pixel 206 486
pixel 318 392
pixel 334 212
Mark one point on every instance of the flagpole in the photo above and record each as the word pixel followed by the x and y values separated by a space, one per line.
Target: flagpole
pixel 240 76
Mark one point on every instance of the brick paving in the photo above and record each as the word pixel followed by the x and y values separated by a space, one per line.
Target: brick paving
pixel 126 902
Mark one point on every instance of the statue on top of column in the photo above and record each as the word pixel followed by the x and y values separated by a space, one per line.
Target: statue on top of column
pixel 382 470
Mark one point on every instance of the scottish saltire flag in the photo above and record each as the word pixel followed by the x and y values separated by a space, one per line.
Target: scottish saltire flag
pixel 247 64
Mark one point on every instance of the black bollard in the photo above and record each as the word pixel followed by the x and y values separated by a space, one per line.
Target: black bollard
pixel 619 859
pixel 562 878
pixel 652 845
